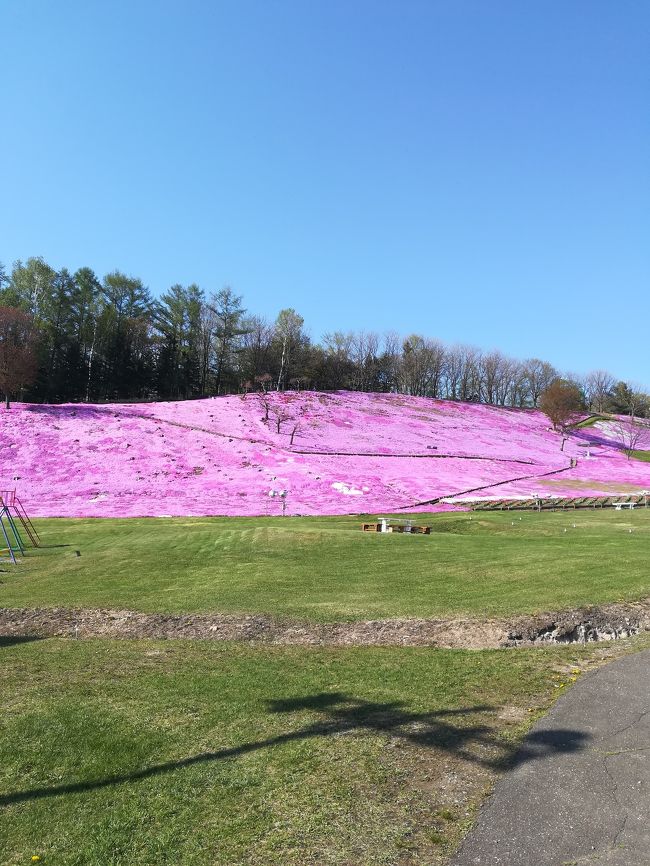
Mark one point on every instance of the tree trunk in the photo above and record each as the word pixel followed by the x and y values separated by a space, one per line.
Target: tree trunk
pixel 90 362
pixel 282 365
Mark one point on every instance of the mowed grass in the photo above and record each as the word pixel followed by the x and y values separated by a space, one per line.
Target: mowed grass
pixel 123 752
pixel 327 569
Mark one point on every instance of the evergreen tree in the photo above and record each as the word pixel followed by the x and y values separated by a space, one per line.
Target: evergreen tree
pixel 228 312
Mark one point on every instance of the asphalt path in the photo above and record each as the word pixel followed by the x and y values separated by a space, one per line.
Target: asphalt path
pixel 580 791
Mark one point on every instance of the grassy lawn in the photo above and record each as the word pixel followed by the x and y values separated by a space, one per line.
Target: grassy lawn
pixel 641 455
pixel 326 569
pixel 589 422
pixel 170 752
pixel 180 752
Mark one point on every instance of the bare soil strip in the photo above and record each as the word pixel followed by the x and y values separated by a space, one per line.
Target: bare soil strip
pixel 583 625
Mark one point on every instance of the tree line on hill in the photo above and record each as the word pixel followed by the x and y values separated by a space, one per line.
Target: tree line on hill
pixel 67 337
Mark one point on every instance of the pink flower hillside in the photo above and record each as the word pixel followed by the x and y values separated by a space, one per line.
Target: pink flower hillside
pixel 334 453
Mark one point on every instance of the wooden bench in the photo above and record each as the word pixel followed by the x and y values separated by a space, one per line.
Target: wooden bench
pixel 403 526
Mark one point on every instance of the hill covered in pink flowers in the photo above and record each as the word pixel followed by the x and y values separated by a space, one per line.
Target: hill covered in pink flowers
pixel 333 453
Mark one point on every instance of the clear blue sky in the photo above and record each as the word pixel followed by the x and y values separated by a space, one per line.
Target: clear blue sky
pixel 474 170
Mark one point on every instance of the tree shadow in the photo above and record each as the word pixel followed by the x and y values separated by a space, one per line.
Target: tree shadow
pixel 587 437
pixel 15 639
pixel 75 410
pixel 342 714
pixel 437 729
pixel 52 546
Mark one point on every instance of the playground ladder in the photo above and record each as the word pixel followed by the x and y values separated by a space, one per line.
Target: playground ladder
pixel 28 526
pixel 12 503
pixel 8 529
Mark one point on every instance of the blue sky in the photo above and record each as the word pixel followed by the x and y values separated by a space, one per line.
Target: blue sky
pixel 475 171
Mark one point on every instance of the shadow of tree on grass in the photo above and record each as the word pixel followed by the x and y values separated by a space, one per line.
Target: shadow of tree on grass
pixel 15 639
pixel 341 714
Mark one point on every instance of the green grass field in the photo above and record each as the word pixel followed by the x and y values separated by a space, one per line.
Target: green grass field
pixel 326 569
pixel 173 752
pixel 123 752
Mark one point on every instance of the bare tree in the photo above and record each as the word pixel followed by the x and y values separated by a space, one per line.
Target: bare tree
pixel 638 402
pixel 389 361
pixel 264 381
pixel 632 434
pixel 462 373
pixel 280 415
pixel 18 361
pixel 421 367
pixel 364 347
pixel 266 405
pixel 453 372
pixel 298 383
pixel 254 353
pixel 598 386
pixel 337 346
pixel 498 375
pixel 519 394
pixel 338 343
pixel 297 427
pixel 470 380
pixel 539 375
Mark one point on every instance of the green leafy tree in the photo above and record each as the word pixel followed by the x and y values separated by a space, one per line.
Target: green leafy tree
pixel 288 332
pixel 32 284
pixel 626 400
pixel 44 294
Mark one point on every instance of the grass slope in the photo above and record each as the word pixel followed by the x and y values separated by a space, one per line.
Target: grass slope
pixel 115 753
pixel 326 569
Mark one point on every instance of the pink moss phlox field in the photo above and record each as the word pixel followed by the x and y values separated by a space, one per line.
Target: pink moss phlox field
pixel 351 453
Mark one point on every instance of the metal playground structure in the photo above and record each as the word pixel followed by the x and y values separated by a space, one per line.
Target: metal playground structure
pixel 12 513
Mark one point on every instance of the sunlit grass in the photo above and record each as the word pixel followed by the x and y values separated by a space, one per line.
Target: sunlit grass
pixel 121 752
pixel 327 569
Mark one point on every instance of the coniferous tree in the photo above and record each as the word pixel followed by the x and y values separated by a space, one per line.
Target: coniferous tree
pixel 101 340
pixel 228 313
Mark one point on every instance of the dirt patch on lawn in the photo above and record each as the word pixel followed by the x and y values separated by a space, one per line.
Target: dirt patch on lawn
pixel 583 625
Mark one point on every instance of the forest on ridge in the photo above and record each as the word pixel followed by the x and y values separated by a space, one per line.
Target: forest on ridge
pixel 109 339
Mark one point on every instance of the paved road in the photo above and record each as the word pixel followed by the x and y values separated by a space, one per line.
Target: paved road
pixel 581 792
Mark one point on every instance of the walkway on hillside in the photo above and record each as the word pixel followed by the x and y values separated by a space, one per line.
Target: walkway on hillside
pixel 588 800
